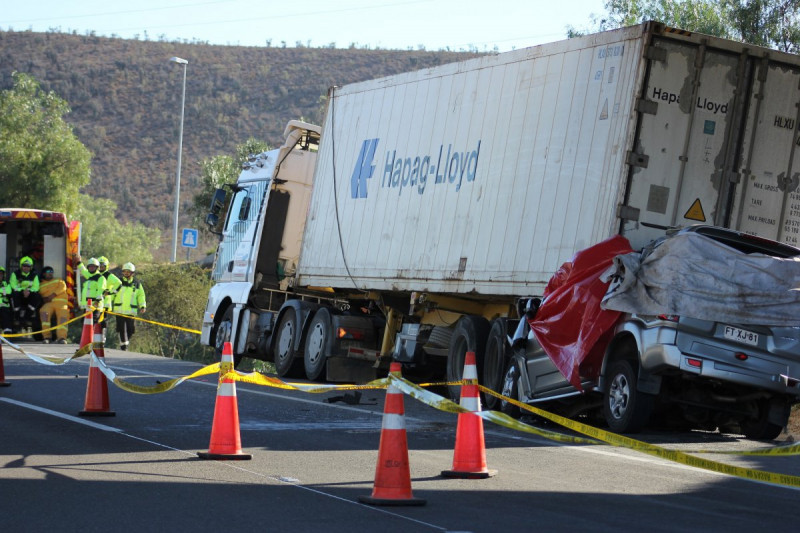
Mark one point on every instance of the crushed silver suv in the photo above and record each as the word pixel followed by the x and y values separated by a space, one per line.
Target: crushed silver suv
pixel 707 335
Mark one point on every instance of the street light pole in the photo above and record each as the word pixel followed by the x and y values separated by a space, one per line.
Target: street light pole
pixel 180 149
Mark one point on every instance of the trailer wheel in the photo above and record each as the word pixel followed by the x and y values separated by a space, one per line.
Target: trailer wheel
pixel 495 361
pixel 286 362
pixel 469 335
pixel 317 345
pixel 626 409
pixel 224 334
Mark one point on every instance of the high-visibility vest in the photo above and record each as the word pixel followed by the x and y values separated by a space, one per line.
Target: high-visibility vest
pixel 22 282
pixel 5 294
pixel 93 289
pixel 112 285
pixel 130 298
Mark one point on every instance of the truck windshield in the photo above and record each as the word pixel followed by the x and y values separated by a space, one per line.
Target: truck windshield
pixel 234 256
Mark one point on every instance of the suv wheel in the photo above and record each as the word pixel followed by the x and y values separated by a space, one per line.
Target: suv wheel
pixel 626 409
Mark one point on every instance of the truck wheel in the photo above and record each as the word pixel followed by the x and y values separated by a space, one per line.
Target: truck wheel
pixel 626 409
pixel 761 428
pixel 469 335
pixel 317 345
pixel 286 362
pixel 495 361
pixel 224 334
pixel 510 389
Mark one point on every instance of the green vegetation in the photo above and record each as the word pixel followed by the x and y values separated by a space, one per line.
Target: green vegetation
pixel 768 23
pixel 42 163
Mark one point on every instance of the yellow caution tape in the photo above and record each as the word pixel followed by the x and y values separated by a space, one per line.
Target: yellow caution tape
pixel 651 449
pixel 154 389
pixel 12 335
pixel 256 378
pixel 49 359
pixel 156 323
pixel 502 419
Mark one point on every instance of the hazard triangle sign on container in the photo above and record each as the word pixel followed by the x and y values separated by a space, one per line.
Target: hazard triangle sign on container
pixel 695 212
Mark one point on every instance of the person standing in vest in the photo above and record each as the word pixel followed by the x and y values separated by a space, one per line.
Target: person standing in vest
pixel 54 296
pixel 128 301
pixel 25 293
pixel 6 317
pixel 112 284
pixel 93 289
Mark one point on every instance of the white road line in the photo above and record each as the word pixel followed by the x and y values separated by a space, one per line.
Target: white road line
pixel 62 415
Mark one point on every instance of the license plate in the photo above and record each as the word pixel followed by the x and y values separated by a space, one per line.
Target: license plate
pixel 741 335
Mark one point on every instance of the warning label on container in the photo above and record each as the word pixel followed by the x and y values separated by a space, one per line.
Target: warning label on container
pixel 695 212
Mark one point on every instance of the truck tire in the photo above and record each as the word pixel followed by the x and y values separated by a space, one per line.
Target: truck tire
pixel 510 389
pixel 761 428
pixel 626 409
pixel 469 335
pixel 287 364
pixel 223 334
pixel 317 345
pixel 495 361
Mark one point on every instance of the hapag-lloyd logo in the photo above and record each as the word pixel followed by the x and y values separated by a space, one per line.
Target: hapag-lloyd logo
pixel 448 166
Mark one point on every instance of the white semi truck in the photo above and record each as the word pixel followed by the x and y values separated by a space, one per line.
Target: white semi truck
pixel 410 226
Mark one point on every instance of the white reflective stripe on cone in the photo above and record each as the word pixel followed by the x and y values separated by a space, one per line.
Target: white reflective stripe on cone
pixel 226 389
pixel 470 402
pixel 391 421
pixel 470 372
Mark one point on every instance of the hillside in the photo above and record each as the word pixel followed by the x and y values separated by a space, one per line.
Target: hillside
pixel 125 97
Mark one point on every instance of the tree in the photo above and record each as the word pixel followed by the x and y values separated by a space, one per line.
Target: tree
pixel 218 171
pixel 42 162
pixel 102 233
pixel 176 295
pixel 768 23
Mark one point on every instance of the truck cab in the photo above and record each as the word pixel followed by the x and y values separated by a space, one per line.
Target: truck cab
pixel 260 238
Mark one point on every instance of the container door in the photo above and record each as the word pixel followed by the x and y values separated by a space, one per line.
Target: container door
pixel 767 202
pixel 687 128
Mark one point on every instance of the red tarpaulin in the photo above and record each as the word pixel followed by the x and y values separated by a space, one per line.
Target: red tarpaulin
pixel 569 325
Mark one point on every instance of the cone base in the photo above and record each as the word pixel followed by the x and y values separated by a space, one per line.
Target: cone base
pixel 97 413
pixel 5 384
pixel 225 456
pixel 468 475
pixel 396 502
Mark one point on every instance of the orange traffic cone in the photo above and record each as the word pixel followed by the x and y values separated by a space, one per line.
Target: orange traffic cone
pixel 226 443
pixel 96 402
pixel 3 382
pixel 469 459
pixel 392 475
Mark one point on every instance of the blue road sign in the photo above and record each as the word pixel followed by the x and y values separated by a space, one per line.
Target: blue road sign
pixel 189 238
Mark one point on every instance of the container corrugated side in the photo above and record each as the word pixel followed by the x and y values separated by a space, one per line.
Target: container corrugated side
pixel 475 177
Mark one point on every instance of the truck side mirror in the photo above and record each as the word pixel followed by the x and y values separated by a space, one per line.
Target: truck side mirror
pixel 212 220
pixel 217 202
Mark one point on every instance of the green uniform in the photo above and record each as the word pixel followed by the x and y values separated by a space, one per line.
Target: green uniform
pixel 93 289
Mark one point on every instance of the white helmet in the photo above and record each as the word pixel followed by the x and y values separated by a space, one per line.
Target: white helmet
pixel 129 266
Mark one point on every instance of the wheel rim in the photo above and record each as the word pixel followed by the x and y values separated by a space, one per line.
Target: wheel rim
pixel 618 396
pixel 223 334
pixel 315 341
pixel 285 340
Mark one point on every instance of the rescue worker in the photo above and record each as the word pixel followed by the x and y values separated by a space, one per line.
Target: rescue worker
pixel 112 284
pixel 93 289
pixel 129 301
pixel 6 317
pixel 54 296
pixel 25 293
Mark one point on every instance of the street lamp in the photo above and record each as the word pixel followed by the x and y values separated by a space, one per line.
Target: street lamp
pixel 180 149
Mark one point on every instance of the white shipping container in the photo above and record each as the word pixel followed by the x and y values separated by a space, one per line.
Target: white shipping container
pixel 482 177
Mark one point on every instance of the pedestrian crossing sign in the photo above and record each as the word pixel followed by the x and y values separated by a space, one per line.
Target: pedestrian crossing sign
pixel 189 238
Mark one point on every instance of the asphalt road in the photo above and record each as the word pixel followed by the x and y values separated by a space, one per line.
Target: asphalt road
pixel 139 471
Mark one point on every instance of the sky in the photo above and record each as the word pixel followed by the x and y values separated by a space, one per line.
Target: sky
pixel 390 24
